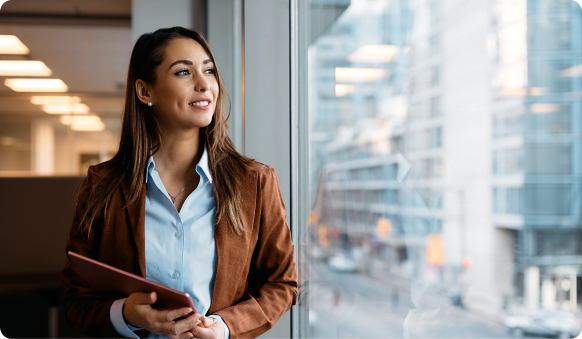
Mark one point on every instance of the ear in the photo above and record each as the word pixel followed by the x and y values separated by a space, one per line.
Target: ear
pixel 144 92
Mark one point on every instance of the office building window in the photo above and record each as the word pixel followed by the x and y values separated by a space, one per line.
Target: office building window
pixel 468 206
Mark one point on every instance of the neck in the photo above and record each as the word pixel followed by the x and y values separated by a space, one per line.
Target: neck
pixel 179 153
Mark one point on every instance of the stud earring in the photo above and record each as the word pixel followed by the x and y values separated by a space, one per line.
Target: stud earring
pixel 150 104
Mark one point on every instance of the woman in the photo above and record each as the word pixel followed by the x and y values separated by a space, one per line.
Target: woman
pixel 178 205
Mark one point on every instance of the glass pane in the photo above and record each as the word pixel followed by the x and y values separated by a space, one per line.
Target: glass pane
pixel 444 168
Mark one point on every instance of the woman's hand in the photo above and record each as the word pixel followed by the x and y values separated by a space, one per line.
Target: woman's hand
pixel 138 312
pixel 210 328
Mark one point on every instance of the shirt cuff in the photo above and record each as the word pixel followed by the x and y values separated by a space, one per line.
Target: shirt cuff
pixel 116 318
pixel 406 324
pixel 226 331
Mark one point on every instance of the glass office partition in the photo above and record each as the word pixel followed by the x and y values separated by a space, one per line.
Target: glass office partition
pixel 444 168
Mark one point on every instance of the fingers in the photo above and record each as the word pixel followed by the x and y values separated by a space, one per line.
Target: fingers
pixel 207 322
pixel 180 328
pixel 208 331
pixel 145 298
pixel 175 314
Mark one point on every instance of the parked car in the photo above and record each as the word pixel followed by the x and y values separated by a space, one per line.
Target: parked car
pixel 546 323
pixel 342 263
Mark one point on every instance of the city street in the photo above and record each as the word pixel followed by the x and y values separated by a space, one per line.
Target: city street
pixel 352 305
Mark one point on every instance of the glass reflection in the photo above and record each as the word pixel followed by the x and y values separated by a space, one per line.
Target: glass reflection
pixel 444 169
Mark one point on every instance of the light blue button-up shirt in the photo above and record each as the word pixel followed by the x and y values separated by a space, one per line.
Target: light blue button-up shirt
pixel 179 246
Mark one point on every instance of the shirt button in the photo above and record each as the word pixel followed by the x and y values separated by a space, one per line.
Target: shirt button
pixel 176 275
pixel 177 234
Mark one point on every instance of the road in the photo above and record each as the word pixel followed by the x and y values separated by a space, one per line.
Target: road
pixel 352 305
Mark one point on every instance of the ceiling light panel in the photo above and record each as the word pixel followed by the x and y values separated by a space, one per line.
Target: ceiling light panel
pixel 66 109
pixel 544 108
pixel 10 44
pixel 83 123
pixel 373 53
pixel 342 90
pixel 36 85
pixel 54 100
pixel 346 74
pixel 23 68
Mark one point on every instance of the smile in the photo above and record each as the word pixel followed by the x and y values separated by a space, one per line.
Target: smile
pixel 200 103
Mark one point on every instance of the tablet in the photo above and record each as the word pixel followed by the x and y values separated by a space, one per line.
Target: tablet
pixel 107 279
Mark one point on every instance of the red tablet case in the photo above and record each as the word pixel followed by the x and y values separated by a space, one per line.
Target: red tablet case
pixel 104 278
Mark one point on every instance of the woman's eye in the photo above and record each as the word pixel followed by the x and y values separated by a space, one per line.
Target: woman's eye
pixel 209 71
pixel 183 72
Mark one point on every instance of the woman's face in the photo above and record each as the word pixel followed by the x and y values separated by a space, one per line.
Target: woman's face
pixel 185 91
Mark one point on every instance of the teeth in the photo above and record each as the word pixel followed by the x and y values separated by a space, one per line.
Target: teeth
pixel 200 103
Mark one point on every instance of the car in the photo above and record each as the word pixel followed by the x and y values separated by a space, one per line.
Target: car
pixel 546 323
pixel 342 263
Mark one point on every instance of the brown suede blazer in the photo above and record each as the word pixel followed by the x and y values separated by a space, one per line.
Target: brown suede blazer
pixel 255 282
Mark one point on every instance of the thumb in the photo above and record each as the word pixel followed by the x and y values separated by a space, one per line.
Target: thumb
pixel 145 298
pixel 152 297
pixel 207 322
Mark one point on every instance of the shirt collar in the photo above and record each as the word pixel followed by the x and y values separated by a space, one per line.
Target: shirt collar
pixel 202 167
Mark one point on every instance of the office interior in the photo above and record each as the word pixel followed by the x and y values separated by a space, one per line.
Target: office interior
pixel 428 153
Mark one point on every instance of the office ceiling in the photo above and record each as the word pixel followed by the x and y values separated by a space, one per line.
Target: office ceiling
pixel 86 43
pixel 84 7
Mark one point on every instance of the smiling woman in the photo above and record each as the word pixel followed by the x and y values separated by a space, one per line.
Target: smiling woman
pixel 185 91
pixel 180 206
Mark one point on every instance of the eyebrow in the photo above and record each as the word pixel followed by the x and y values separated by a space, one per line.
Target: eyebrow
pixel 188 62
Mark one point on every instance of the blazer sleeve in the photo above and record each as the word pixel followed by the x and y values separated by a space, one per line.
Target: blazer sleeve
pixel 272 274
pixel 85 311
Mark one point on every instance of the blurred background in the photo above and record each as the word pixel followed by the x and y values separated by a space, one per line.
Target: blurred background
pixel 62 80
pixel 428 151
pixel 444 168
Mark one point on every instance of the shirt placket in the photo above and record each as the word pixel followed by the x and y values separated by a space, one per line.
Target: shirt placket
pixel 178 236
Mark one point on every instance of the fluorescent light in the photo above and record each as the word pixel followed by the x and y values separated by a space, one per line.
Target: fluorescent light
pixel 537 91
pixel 341 90
pixel 53 100
pixel 83 119
pixel 36 85
pixel 83 123
pixel 544 108
pixel 10 44
pixel 96 127
pixel 23 68
pixel 572 72
pixel 373 53
pixel 516 92
pixel 66 109
pixel 345 74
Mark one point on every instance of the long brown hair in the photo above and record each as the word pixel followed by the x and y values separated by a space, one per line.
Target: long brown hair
pixel 141 134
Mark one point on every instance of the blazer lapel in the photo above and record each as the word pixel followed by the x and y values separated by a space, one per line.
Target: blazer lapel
pixel 221 277
pixel 136 216
pixel 230 247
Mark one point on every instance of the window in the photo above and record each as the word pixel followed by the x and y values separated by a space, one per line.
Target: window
pixel 556 119
pixel 508 161
pixel 547 199
pixel 507 126
pixel 506 200
pixel 558 243
pixel 548 159
pixel 479 106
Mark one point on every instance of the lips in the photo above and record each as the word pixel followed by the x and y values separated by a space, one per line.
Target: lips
pixel 200 103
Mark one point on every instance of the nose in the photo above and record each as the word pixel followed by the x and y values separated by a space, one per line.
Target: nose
pixel 201 83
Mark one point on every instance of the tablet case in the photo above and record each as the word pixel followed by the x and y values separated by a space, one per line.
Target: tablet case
pixel 106 279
